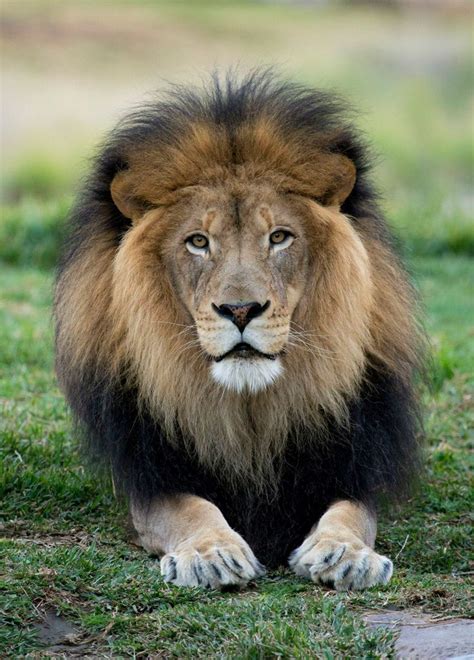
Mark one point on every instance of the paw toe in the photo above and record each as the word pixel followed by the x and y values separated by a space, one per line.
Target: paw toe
pixel 168 568
pixel 317 559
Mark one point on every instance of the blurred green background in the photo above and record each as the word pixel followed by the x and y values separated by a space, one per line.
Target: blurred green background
pixel 70 69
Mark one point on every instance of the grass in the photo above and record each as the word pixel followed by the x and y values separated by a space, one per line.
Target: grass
pixel 31 231
pixel 65 553
pixel 65 548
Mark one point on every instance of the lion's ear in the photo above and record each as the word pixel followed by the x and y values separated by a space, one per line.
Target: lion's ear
pixel 126 197
pixel 338 177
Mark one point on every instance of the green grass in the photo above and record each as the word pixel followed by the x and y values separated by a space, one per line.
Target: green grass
pixel 65 547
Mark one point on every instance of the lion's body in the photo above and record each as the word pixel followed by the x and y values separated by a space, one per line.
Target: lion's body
pixel 341 421
pixel 358 463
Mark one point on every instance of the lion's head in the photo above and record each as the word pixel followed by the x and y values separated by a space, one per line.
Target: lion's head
pixel 230 263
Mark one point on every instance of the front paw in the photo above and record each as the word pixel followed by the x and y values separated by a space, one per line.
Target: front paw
pixel 342 565
pixel 215 560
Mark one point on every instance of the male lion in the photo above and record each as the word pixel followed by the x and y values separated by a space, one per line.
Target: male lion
pixel 236 336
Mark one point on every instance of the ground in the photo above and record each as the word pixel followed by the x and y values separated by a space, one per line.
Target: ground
pixel 72 581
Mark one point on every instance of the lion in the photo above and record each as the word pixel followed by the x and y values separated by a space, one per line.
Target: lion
pixel 237 337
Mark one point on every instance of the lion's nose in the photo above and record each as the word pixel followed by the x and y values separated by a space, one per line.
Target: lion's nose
pixel 242 313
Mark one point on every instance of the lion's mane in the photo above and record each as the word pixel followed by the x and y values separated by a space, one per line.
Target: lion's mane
pixel 344 420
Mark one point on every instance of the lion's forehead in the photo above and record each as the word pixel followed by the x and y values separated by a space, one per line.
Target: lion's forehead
pixel 227 210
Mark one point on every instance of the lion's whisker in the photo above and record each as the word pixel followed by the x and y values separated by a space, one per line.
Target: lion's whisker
pixel 315 350
pixel 309 344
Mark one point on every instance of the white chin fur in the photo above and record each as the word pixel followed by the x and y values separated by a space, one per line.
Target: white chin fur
pixel 252 375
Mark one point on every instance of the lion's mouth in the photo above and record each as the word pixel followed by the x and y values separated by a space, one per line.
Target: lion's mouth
pixel 245 351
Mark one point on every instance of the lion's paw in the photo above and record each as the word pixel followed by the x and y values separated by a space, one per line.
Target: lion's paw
pixel 215 562
pixel 341 565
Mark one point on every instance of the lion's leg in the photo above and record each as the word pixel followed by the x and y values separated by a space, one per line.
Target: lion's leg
pixel 197 545
pixel 338 551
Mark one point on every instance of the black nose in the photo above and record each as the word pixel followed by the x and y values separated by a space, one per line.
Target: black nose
pixel 242 313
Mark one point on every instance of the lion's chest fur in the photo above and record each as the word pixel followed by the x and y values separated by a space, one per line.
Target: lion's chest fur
pixel 357 460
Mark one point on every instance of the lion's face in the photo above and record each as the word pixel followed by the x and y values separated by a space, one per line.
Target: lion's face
pixel 238 263
pixel 238 282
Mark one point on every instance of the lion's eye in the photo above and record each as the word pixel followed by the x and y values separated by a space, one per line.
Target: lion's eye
pixel 281 238
pixel 197 243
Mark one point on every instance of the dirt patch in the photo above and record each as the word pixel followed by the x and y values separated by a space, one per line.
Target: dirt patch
pixel 422 637
pixel 60 637
pixel 81 539
pixel 20 533
pixel 54 629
